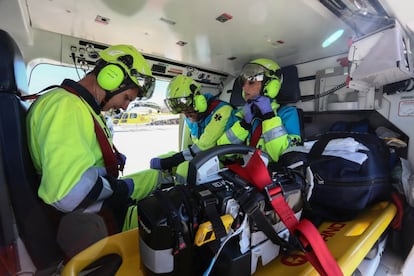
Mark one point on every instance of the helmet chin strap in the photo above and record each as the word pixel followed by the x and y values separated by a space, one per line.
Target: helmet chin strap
pixel 110 94
pixel 265 82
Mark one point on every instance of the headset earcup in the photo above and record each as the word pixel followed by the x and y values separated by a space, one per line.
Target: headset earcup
pixel 110 77
pixel 200 103
pixel 271 90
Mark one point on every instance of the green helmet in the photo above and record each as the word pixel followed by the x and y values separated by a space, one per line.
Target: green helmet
pixel 261 66
pixel 266 70
pixel 182 95
pixel 125 58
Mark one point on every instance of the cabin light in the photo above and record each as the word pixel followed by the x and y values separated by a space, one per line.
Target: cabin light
pixel 224 17
pixel 168 21
pixel 332 38
pixel 181 43
pixel 101 19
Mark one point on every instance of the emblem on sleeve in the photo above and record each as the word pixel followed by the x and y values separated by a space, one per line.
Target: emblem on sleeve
pixel 218 117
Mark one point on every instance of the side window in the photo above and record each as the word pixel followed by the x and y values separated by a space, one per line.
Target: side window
pixel 44 75
pixel 152 136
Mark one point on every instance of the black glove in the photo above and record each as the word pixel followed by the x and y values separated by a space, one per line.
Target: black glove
pixel 172 161
pixel 119 201
pixel 245 124
pixel 120 188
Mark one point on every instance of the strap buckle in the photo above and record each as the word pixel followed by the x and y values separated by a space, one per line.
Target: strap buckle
pixel 207 198
pixel 273 191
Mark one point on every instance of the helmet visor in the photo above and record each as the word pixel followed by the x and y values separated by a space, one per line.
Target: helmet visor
pixel 179 105
pixel 146 85
pixel 252 72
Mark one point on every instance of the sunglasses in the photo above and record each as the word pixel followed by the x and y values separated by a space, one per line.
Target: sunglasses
pixel 250 79
pixel 146 84
pixel 180 105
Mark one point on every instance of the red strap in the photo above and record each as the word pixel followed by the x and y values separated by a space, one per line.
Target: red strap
pixel 319 256
pixel 398 201
pixel 110 159
pixel 8 260
pixel 260 178
pixel 29 97
pixel 283 209
pixel 108 154
pixel 212 106
pixel 256 135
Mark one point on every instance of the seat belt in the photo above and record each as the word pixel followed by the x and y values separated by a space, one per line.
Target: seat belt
pixel 109 155
pixel 309 238
pixel 256 135
pixel 212 106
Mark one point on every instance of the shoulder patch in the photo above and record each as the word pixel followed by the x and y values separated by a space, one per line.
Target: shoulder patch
pixel 217 117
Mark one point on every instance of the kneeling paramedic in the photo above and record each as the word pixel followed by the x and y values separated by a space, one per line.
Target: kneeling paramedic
pixel 206 118
pixel 71 145
pixel 264 123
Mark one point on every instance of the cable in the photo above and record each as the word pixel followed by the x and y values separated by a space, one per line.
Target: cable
pixel 227 238
pixel 74 63
pixel 332 90
pixel 410 85
pixel 323 94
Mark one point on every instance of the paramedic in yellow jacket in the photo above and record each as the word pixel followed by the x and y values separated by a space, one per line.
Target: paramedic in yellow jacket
pixel 63 134
pixel 265 124
pixel 206 118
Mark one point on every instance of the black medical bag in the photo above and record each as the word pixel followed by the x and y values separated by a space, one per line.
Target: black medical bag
pixel 342 187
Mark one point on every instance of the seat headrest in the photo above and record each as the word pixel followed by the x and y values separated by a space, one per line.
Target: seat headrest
pixel 13 77
pixel 289 91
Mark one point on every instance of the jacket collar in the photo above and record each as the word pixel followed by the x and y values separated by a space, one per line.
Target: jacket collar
pixel 75 87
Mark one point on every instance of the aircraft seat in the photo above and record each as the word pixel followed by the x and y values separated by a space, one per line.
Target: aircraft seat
pixel 31 215
pixel 49 236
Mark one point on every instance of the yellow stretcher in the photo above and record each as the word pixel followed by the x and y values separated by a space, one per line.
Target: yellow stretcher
pixel 349 242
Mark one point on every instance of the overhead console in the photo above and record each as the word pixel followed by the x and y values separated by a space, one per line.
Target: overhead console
pixel 84 54
pixel 381 58
pixel 380 52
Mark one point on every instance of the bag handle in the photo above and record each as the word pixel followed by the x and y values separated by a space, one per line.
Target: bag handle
pixel 319 146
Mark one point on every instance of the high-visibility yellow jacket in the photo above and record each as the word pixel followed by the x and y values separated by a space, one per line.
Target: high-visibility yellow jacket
pixel 64 148
pixel 66 153
pixel 277 133
pixel 206 132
